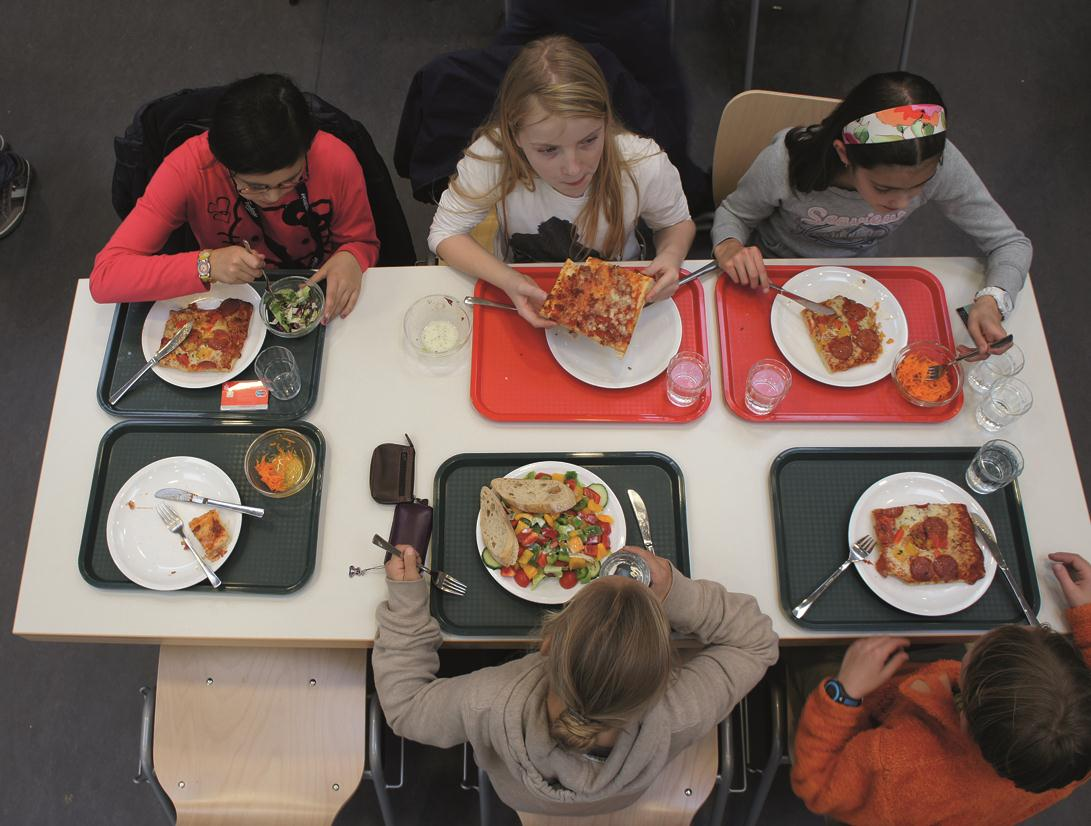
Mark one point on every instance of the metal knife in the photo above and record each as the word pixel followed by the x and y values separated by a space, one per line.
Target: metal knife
pixel 642 520
pixel 179 495
pixel 163 351
pixel 981 531
pixel 813 306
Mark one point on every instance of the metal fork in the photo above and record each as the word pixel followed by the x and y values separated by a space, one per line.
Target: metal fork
pixel 858 552
pixel 174 524
pixel 445 582
pixel 937 370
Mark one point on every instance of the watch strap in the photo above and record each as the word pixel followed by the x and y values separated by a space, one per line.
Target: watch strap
pixel 1001 297
pixel 204 266
pixel 836 692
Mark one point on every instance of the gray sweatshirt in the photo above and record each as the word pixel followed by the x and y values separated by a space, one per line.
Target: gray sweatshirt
pixel 765 211
pixel 501 711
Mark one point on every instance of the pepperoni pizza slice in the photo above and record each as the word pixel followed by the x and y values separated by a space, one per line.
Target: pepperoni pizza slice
pixel 933 543
pixel 600 300
pixel 217 338
pixel 848 339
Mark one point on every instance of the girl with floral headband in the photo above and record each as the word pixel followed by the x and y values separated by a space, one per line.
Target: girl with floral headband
pixel 837 188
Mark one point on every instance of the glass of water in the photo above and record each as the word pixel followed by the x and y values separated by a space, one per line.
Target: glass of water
pixel 278 371
pixel 687 378
pixel 1007 400
pixel 767 383
pixel 986 373
pixel 995 465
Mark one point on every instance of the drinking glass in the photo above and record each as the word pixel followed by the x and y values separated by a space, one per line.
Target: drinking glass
pixel 985 374
pixel 767 383
pixel 278 371
pixel 687 378
pixel 995 465
pixel 1007 400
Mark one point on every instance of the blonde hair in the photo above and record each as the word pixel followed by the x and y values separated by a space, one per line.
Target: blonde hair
pixel 561 78
pixel 609 659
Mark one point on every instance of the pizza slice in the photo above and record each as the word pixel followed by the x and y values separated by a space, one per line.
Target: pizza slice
pixel 211 533
pixel 848 339
pixel 927 543
pixel 217 338
pixel 599 300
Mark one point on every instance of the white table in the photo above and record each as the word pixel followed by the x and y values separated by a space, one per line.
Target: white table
pixel 373 391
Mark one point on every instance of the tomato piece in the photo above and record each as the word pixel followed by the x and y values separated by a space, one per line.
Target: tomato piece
pixel 521 579
pixel 592 540
pixel 572 484
pixel 507 570
pixel 899 536
pixel 542 476
pixel 594 497
pixel 549 533
pixel 543 560
pixel 569 579
pixel 527 538
pixel 589 518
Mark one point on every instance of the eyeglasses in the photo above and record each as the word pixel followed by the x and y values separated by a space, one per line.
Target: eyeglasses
pixel 246 188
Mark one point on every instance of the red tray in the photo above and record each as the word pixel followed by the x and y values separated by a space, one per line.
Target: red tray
pixel 514 377
pixel 745 337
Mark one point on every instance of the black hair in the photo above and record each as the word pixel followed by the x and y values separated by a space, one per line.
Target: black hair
pixel 261 124
pixel 812 158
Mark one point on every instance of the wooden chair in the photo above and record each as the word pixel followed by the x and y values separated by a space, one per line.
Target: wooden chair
pixel 748 123
pixel 270 736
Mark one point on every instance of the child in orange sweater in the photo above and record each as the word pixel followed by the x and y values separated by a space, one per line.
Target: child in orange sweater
pixel 994 739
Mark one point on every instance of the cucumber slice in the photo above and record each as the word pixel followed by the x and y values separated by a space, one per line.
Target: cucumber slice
pixel 534 583
pixel 490 560
pixel 604 497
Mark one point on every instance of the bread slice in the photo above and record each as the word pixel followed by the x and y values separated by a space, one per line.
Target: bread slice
pixel 535 495
pixel 496 529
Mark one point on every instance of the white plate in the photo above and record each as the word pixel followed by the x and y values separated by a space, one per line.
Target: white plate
pixel 549 591
pixel 932 600
pixel 656 339
pixel 140 544
pixel 818 284
pixel 151 336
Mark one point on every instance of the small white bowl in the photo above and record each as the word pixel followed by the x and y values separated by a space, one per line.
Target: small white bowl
pixel 437 328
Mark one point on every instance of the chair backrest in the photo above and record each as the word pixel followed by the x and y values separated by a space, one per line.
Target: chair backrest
pixel 748 123
pixel 672 800
pixel 270 736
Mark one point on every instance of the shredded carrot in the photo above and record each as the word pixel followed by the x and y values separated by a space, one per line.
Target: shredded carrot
pixel 281 471
pixel 913 376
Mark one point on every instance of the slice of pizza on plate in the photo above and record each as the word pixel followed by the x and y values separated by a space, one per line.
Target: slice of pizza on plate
pixel 928 543
pixel 848 339
pixel 599 300
pixel 211 533
pixel 217 338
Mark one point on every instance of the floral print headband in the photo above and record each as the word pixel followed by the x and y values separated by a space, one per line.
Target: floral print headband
pixel 902 123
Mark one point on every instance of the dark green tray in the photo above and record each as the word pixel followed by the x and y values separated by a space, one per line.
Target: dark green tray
pixel 274 554
pixel 151 397
pixel 814 491
pixel 489 610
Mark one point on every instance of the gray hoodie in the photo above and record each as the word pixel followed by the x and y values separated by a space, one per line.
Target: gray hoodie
pixel 765 211
pixel 501 711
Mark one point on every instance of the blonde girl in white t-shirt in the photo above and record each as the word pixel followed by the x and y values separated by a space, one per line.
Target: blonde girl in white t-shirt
pixel 566 178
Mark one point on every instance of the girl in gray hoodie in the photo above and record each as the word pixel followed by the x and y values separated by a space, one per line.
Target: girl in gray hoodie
pixel 585 724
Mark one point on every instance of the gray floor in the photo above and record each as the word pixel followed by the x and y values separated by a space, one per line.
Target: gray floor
pixel 72 75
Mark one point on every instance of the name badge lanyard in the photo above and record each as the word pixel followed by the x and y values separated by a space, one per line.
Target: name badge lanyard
pixel 312 227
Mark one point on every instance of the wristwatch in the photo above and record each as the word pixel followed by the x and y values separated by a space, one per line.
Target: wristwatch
pixel 836 692
pixel 1001 297
pixel 204 266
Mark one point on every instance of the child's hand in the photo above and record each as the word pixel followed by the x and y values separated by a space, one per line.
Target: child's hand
pixel 1074 574
pixel 662 573
pixel 665 272
pixel 870 662
pixel 528 298
pixel 343 278
pixel 235 265
pixel 406 569
pixel 743 265
pixel 985 326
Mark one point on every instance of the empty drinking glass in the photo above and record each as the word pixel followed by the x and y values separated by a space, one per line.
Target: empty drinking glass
pixel 1007 400
pixel 984 374
pixel 767 383
pixel 687 378
pixel 277 369
pixel 995 465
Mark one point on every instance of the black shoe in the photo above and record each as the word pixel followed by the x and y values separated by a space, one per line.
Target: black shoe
pixel 13 197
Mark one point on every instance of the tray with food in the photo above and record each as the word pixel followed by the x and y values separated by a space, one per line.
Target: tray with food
pixel 525 531
pixel 247 496
pixel 926 571
pixel 229 328
pixel 843 364
pixel 598 366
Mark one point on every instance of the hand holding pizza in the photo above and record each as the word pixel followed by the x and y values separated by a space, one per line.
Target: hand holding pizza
pixel 743 265
pixel 528 298
pixel 1073 572
pixel 664 269
pixel 235 265
pixel 870 662
pixel 343 278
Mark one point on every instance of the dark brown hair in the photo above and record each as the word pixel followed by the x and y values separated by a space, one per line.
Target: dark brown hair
pixel 1027 701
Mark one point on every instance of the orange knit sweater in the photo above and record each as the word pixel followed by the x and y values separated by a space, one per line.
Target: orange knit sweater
pixel 902 757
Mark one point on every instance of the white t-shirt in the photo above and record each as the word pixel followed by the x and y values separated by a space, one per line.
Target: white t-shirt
pixel 540 223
